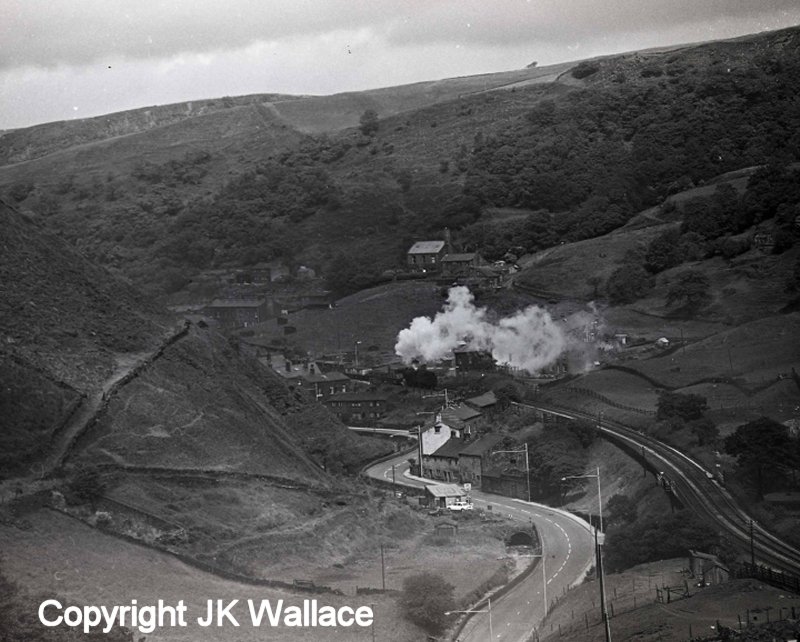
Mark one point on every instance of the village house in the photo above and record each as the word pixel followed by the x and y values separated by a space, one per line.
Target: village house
pixel 321 386
pixel 306 375
pixel 474 458
pixel 436 435
pixel 357 406
pixel 426 256
pixel 460 461
pixel 260 274
pixel 238 313
pixel 460 264
pixel 461 418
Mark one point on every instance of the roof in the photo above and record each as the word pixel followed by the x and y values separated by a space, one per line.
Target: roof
pixel 318 377
pixel 486 270
pixel 480 446
pixel 483 401
pixel 445 490
pixel 451 449
pixel 357 396
pixel 426 247
pixel 461 413
pixel 236 303
pixel 459 258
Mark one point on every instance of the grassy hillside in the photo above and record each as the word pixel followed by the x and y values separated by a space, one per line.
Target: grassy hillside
pixel 577 150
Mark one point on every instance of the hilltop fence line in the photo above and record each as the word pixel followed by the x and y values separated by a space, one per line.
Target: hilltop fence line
pixel 610 402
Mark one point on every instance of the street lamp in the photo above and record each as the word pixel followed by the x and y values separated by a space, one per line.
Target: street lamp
pixel 489 611
pixel 527 464
pixel 598 550
pixel 599 496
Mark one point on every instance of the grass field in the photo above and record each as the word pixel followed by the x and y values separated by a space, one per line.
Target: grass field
pixel 754 353
pixel 645 620
pixel 54 553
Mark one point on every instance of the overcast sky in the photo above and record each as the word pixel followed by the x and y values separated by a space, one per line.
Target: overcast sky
pixel 62 59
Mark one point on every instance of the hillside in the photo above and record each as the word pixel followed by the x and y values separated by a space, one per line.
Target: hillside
pixel 577 150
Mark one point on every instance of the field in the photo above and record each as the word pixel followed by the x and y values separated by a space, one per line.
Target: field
pixel 56 554
pixel 564 269
pixel 638 617
pixel 46 552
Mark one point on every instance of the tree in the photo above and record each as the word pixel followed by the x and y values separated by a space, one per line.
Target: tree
pixel 368 123
pixel 663 252
pixel 682 405
pixel 622 509
pixel 657 537
pixel 426 597
pixel 627 284
pixel 764 451
pixel 704 430
pixel 594 281
pixel 691 286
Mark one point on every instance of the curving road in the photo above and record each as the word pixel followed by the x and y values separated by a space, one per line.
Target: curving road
pixel 569 549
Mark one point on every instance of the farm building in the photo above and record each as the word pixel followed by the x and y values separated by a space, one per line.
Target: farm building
pixel 238 313
pixel 460 264
pixel 426 256
pixel 443 495
pixel 357 405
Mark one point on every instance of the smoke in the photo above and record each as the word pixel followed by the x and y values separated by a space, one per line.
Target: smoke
pixel 528 340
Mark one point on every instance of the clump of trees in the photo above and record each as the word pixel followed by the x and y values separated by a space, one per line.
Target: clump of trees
pixel 656 537
pixel 425 599
pixel 681 412
pixel 766 454
pixel 559 451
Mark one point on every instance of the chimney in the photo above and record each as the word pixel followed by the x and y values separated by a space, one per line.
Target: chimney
pixel 448 241
pixel 288 365
pixel 311 368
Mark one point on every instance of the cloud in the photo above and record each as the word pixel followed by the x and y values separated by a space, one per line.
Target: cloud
pixel 75 32
pixel 44 33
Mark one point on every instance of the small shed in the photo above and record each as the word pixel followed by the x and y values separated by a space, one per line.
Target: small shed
pixel 486 400
pixel 443 495
pixel 446 528
pixel 707 568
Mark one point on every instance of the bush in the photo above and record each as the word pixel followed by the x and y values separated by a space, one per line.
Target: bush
pixel 425 599
pixel 584 70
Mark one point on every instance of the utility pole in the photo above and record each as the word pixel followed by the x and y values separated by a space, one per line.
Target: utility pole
pixel 528 480
pixel 383 570
pixel 601 576
pixel 394 484
pixel 419 448
pixel 752 547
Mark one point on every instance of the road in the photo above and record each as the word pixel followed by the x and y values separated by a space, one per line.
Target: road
pixel 568 545
pixel 696 489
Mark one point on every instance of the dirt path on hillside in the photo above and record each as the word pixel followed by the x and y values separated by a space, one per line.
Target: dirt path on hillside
pixel 128 366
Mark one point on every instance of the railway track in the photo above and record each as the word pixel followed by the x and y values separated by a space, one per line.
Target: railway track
pixel 694 486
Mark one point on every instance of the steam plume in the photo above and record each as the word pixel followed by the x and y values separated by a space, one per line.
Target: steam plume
pixel 528 340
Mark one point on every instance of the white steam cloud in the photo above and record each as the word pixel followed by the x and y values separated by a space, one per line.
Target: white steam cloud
pixel 529 340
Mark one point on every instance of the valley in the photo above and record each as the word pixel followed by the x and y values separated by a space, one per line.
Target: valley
pixel 565 293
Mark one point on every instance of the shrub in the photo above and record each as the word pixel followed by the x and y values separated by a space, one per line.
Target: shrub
pixel 425 599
